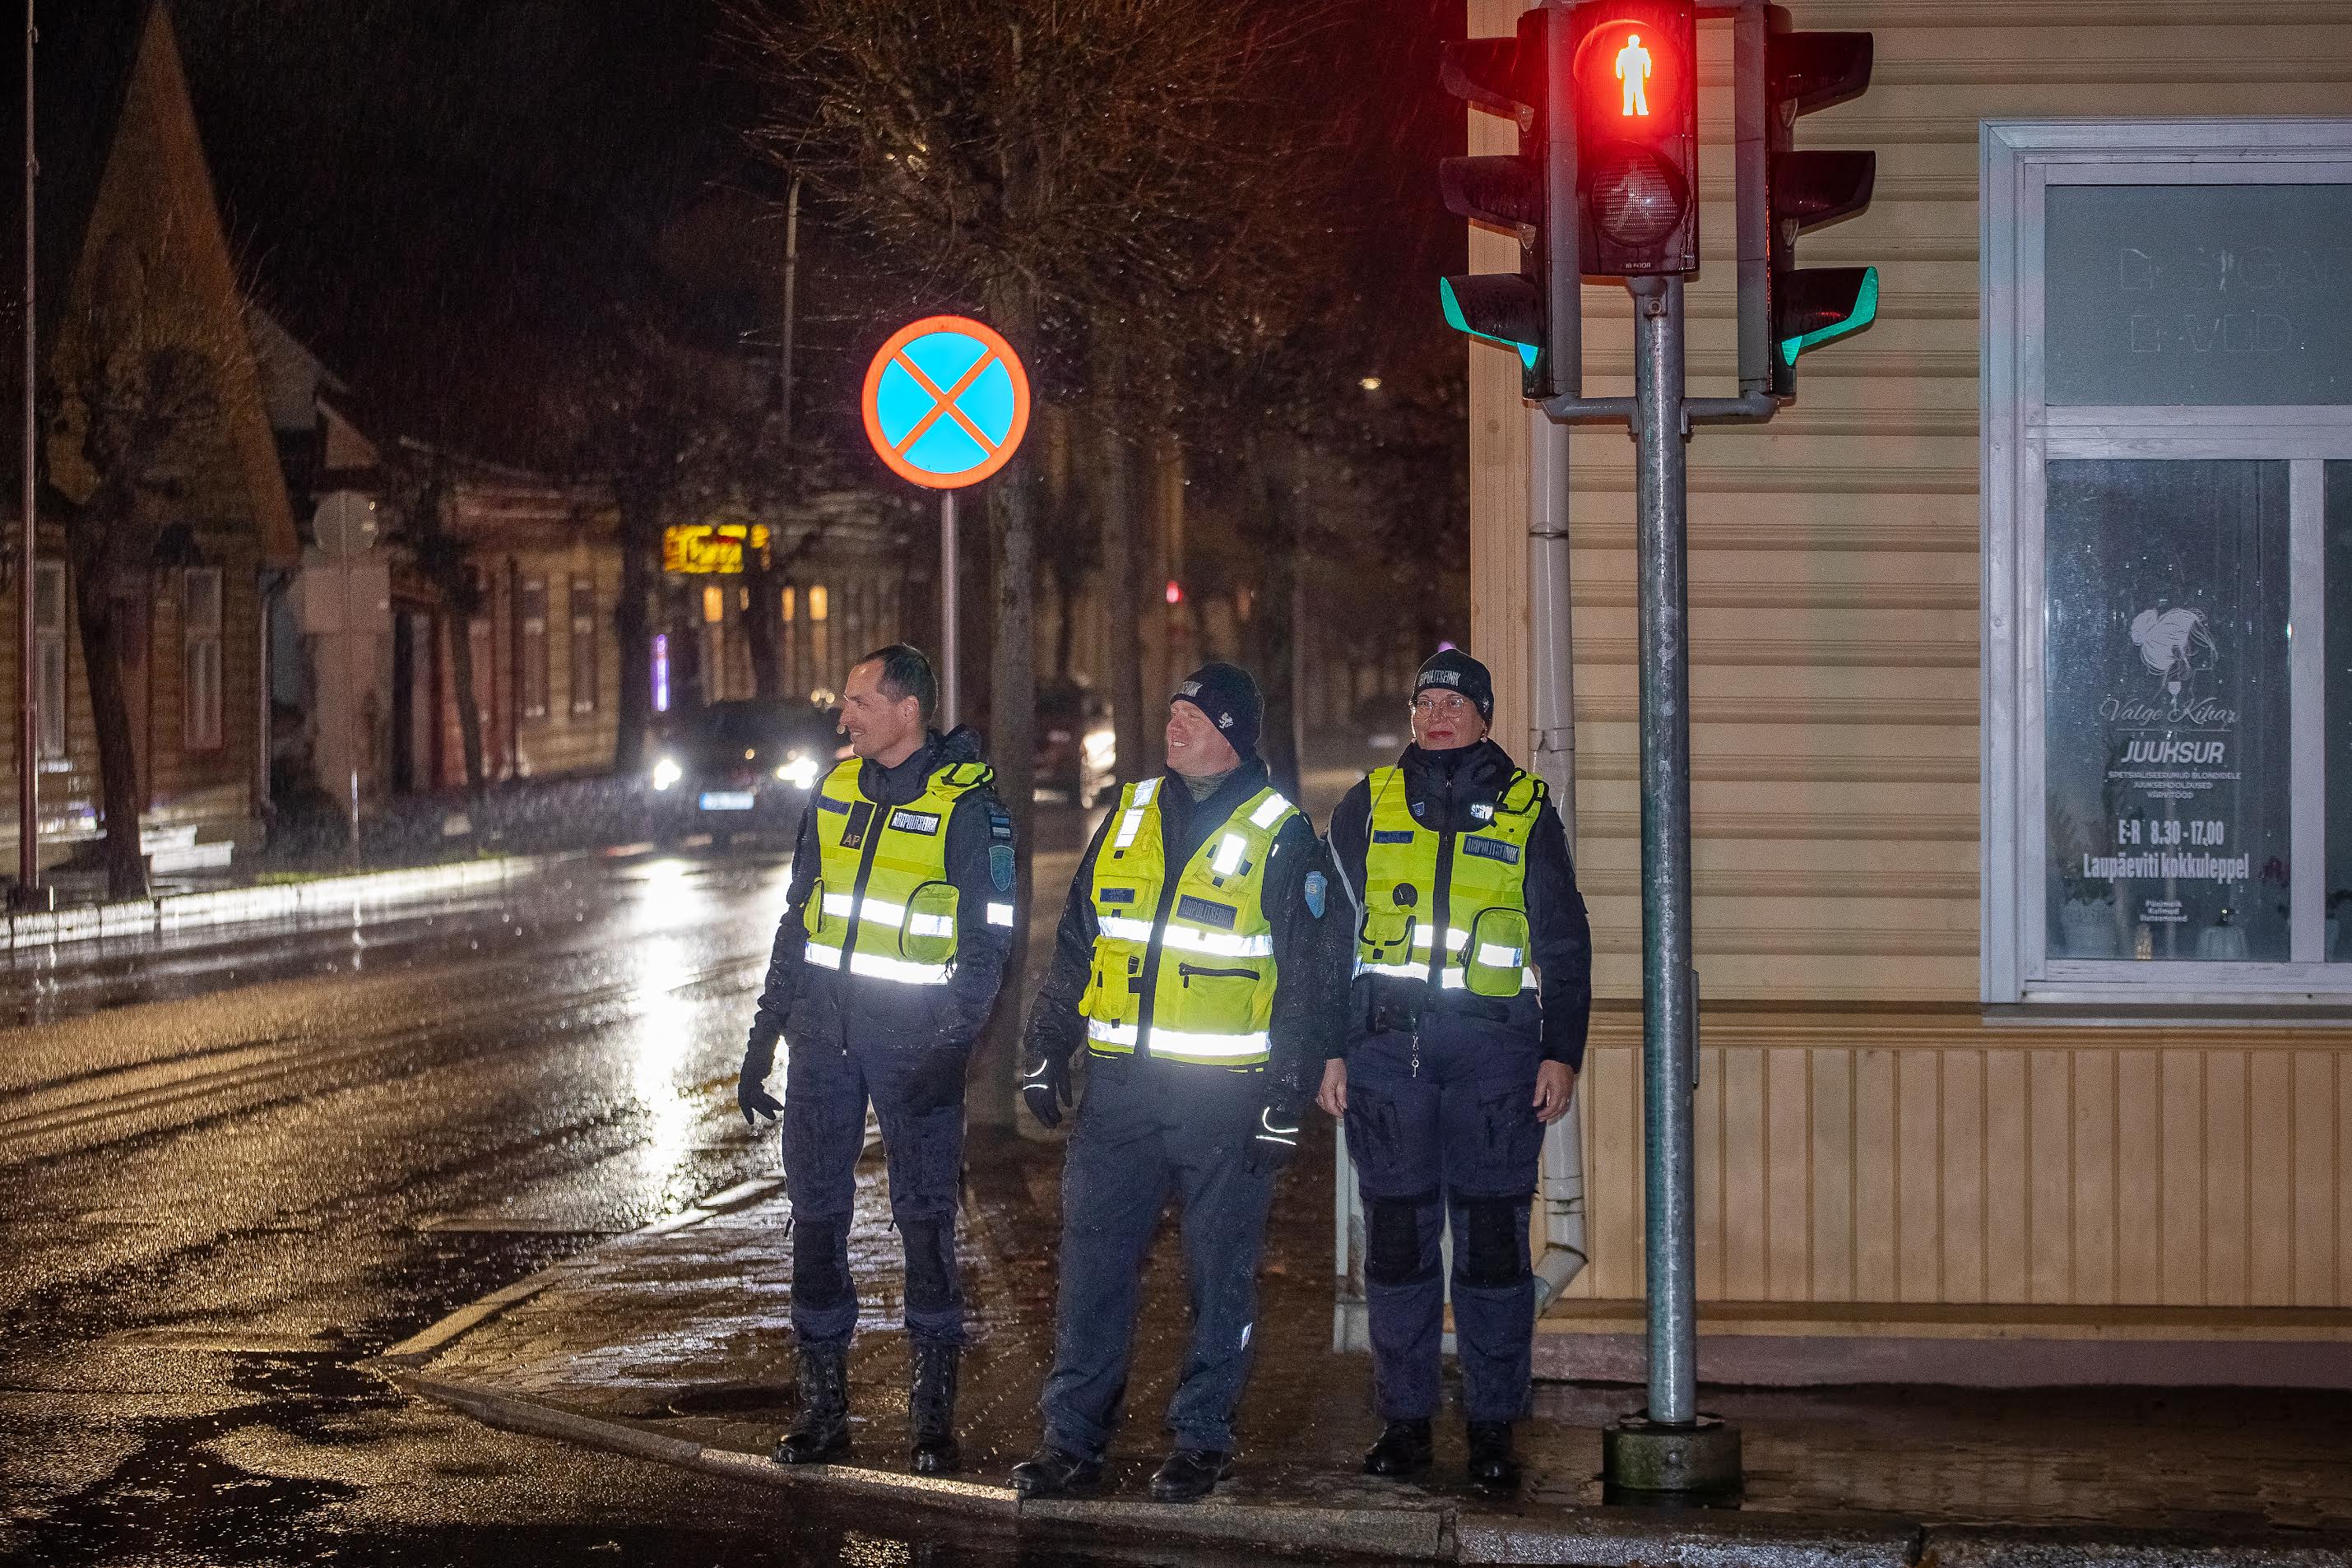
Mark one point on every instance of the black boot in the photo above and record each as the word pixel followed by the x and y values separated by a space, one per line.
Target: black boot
pixel 1051 1472
pixel 930 1410
pixel 821 1432
pixel 1492 1463
pixel 1189 1475
pixel 1402 1450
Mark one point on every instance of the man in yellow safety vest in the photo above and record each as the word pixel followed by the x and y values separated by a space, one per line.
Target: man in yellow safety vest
pixel 885 968
pixel 1195 963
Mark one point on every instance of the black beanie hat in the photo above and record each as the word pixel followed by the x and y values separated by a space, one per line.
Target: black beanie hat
pixel 1229 697
pixel 1457 671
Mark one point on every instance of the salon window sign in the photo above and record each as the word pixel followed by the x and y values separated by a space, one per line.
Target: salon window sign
pixel 2198 295
pixel 2166 743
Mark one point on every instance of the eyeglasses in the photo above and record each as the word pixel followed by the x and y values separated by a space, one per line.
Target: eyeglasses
pixel 1444 703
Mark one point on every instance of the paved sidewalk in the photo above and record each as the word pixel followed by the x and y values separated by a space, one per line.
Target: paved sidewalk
pixel 673 1342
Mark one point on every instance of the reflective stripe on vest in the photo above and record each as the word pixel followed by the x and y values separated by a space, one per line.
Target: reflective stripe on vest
pixel 1215 1013
pixel 1394 938
pixel 905 914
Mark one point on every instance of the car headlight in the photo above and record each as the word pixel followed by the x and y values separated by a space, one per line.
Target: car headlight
pixel 667 772
pixel 799 771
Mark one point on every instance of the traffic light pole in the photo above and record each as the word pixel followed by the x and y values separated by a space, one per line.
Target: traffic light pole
pixel 1670 1447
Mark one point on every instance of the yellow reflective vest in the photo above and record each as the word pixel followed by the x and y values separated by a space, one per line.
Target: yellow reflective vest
pixel 1474 884
pixel 882 893
pixel 1200 939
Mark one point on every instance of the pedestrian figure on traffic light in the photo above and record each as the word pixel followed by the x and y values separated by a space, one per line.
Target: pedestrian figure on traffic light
pixel 1466 1020
pixel 1634 71
pixel 885 968
pixel 1196 963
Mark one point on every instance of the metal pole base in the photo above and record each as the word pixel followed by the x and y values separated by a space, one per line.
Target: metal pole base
pixel 1651 1458
pixel 38 899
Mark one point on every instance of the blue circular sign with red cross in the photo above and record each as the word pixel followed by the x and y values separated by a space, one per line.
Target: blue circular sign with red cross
pixel 946 402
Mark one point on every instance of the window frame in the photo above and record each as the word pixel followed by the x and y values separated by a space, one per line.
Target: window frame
pixel 580 610
pixel 53 747
pixel 202 702
pixel 2022 435
pixel 530 632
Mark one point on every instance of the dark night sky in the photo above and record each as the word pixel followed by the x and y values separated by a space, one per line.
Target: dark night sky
pixel 433 192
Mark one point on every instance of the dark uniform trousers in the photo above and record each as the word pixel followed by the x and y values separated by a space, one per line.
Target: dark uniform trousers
pixel 1147 1127
pixel 1447 1135
pixel 918 1096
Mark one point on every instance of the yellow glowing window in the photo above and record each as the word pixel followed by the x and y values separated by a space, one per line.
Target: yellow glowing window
pixel 789 606
pixel 714 605
pixel 816 602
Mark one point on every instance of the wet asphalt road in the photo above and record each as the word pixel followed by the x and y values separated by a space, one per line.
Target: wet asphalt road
pixel 234 1163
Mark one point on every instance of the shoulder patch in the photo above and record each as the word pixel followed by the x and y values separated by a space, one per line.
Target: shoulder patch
pixel 1317 890
pixel 999 826
pixel 1000 867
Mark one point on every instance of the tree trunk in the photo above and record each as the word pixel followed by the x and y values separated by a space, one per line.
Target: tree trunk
pixel 632 629
pixel 1012 515
pixel 1122 608
pixel 760 623
pixel 110 709
pixel 461 680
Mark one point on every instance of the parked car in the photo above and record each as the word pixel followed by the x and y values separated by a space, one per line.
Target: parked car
pixel 1077 751
pixel 743 766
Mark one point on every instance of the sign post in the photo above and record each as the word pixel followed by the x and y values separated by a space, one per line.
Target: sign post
pixel 946 404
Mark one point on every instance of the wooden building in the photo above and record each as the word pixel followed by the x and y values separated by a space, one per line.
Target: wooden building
pixel 137 269
pixel 2005 1076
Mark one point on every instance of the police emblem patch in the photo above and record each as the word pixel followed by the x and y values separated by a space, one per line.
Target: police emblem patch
pixel 1317 890
pixel 1000 867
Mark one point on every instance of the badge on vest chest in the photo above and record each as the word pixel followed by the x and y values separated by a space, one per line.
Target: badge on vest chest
pixel 914 821
pixel 1206 913
pixel 853 831
pixel 1491 849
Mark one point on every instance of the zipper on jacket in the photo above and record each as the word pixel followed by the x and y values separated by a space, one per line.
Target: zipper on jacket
pixel 857 910
pixel 1189 971
pixel 1441 915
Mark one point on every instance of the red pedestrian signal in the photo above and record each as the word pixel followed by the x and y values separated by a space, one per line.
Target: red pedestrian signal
pixel 1635 66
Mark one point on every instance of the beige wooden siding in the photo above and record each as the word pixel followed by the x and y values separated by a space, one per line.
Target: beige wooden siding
pixel 1895 1155
pixel 1946 1161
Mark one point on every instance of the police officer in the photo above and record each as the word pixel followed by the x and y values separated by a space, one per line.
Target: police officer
pixel 1474 984
pixel 884 967
pixel 1196 965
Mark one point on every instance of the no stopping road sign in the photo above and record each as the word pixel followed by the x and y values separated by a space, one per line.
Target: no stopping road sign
pixel 946 402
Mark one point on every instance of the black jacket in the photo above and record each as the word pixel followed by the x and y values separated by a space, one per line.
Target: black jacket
pixel 1312 936
pixel 1441 788
pixel 952 1013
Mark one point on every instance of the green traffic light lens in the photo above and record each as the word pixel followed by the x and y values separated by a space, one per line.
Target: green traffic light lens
pixel 1529 352
pixel 1864 311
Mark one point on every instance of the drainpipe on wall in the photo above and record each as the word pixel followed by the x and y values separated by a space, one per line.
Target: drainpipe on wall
pixel 1552 751
pixel 273 584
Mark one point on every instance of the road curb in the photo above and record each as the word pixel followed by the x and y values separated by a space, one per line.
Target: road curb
pixel 231 906
pixel 1605 1537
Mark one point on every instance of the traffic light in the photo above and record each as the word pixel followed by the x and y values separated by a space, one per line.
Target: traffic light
pixel 1810 306
pixel 1535 310
pixel 1635 65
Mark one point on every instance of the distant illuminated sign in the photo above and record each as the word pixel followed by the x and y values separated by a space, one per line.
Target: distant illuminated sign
pixel 708 547
pixel 1633 69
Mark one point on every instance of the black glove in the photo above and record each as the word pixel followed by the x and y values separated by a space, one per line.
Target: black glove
pixel 750 1093
pixel 1276 1142
pixel 938 1079
pixel 1045 1088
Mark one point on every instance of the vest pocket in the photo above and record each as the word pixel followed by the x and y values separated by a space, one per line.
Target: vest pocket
pixel 1387 936
pixel 1494 960
pixel 1188 972
pixel 927 933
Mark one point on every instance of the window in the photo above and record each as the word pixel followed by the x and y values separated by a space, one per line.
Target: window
pixel 200 658
pixel 2167 616
pixel 820 633
pixel 530 628
pixel 582 605
pixel 50 655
